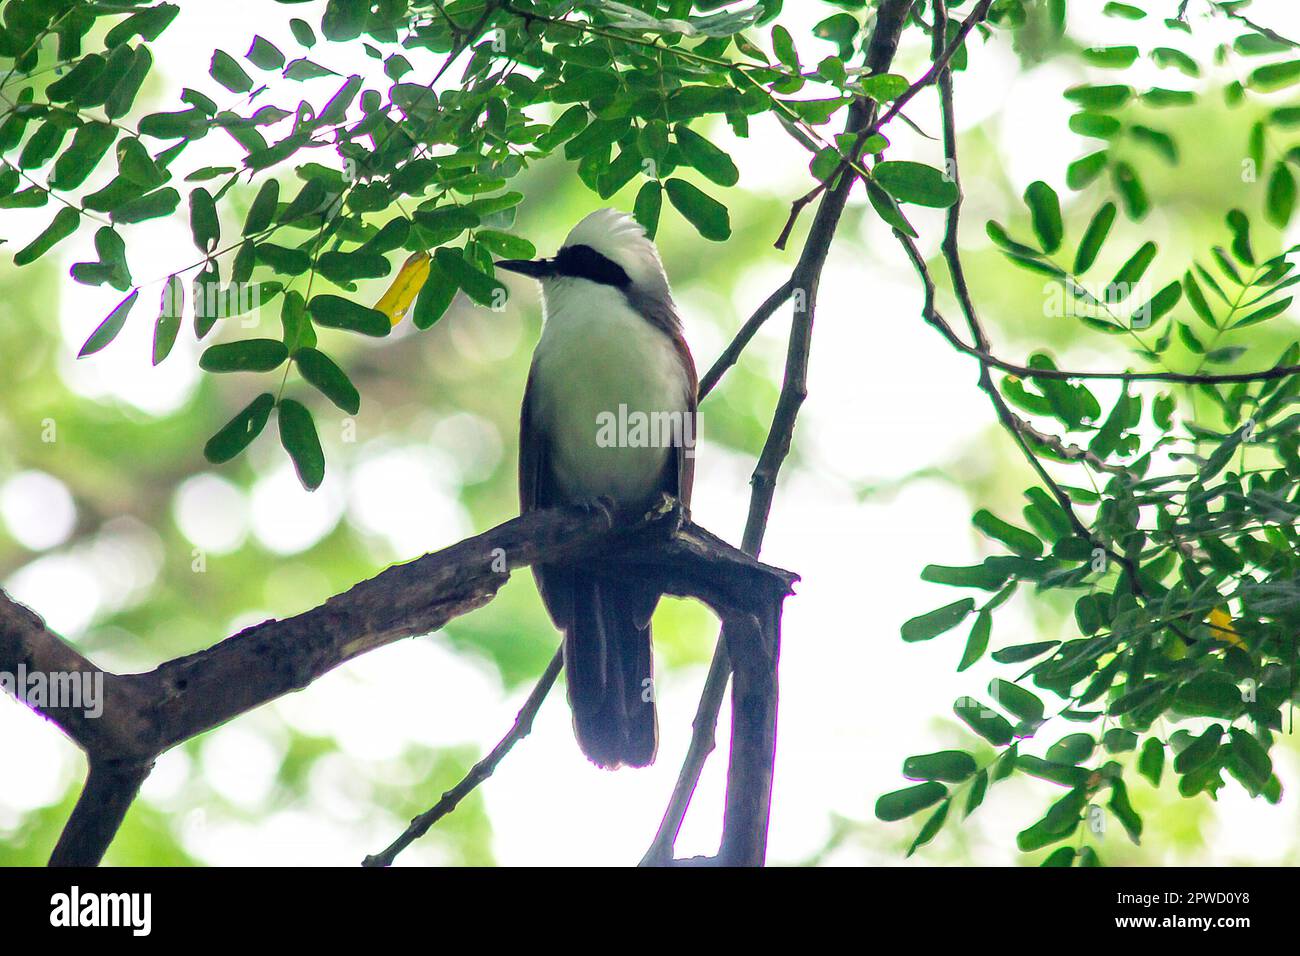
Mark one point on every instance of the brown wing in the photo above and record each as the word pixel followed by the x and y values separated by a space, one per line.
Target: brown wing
pixel 531 453
pixel 685 458
pixel 537 490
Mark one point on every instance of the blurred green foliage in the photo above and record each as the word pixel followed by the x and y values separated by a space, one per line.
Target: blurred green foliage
pixel 543 111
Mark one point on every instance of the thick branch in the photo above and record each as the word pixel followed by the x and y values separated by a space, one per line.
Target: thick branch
pixel 111 786
pixel 145 714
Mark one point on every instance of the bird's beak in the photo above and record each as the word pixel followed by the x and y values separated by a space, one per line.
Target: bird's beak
pixel 537 268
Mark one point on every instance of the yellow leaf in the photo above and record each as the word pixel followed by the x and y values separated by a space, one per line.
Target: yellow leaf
pixel 396 302
pixel 1221 628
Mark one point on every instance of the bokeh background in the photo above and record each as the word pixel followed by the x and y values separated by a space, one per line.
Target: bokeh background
pixel 133 547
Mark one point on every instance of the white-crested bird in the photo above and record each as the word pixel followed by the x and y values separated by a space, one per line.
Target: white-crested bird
pixel 609 413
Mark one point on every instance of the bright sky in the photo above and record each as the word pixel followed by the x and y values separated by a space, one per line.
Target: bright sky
pixel 854 699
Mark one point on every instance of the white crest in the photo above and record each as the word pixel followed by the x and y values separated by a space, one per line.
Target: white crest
pixel 620 238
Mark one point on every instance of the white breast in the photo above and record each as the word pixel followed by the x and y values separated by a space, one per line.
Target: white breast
pixel 609 390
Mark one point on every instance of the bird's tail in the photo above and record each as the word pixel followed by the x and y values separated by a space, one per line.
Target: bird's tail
pixel 608 666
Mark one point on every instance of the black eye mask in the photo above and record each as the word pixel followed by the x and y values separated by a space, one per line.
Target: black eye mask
pixel 584 262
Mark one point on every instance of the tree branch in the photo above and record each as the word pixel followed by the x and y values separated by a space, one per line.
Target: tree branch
pixel 737 847
pixel 111 786
pixel 145 714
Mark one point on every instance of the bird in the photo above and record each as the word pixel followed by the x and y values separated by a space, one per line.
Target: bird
pixel 609 416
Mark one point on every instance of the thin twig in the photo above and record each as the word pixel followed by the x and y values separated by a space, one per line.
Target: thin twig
pixel 1258 28
pixel 521 728
pixel 747 331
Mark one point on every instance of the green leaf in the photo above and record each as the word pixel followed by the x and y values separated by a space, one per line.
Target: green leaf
pixel 1160 97
pixel 344 267
pixel 336 312
pixel 262 212
pixel 931 828
pixel 303 69
pixel 1196 299
pixel 706 214
pixel 1023 652
pixel 1131 190
pixel 1060 821
pixel 250 355
pixel 975 796
pixel 1239 225
pixel 1022 542
pixel 160 202
pixel 121 98
pixel 916 183
pixel 1066 775
pixel 646 209
pixel 1083 171
pixel 434 299
pixel 136 165
pixel 1125 11
pixel 239 432
pixel 478 285
pixel 978 641
pixel 783 47
pixel 1118 740
pixel 302 32
pixel 320 370
pixel 1163 56
pixel 85 72
pixel 1200 750
pixel 1096 125
pixel 887 209
pixel 148 23
pixel 78 161
pixel 291 262
pixel 1131 273
pixel 505 244
pixel 112 324
pixel 264 54
pixel 1124 812
pixel 1158 305
pixel 1151 762
pixel 204 225
pixel 63 225
pixel 1113 57
pixel 990 725
pixel 1016 700
pixel 972 576
pixel 1101 98
pixel 1060 857
pixel 1263 314
pixel 1274 76
pixel 168 322
pixel 344 20
pixel 228 73
pixel 299 438
pixel 1045 211
pixel 950 766
pixel 704 156
pixel 1071 749
pixel 1252 757
pixel 1281 198
pixel 1209 695
pixel 926 626
pixel 901 804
